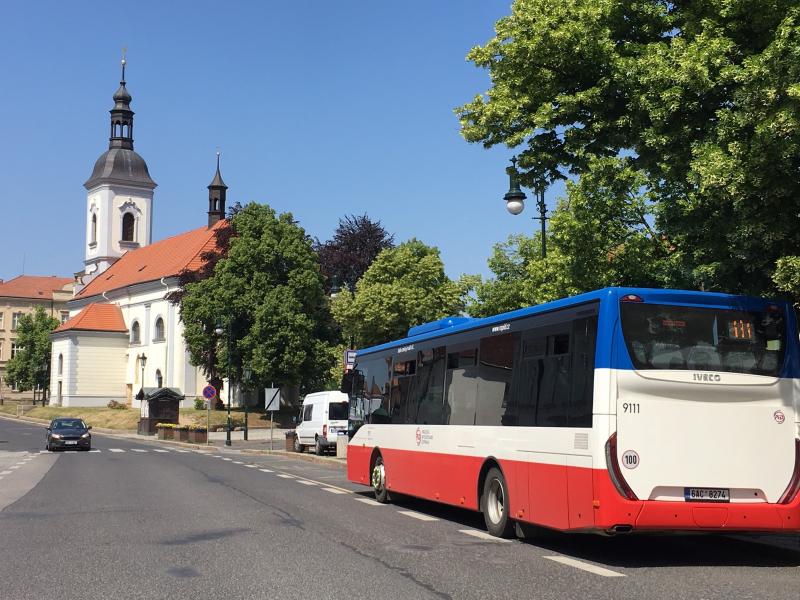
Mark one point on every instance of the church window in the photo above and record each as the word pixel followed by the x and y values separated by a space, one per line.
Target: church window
pixel 60 364
pixel 159 379
pixel 127 227
pixel 136 333
pixel 159 336
pixel 93 237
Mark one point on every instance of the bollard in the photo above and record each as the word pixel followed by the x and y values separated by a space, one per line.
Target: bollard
pixel 341 444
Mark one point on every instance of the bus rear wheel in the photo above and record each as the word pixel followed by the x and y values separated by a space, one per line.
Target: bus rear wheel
pixel 378 481
pixel 494 504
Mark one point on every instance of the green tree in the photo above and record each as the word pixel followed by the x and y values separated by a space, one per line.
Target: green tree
pixel 702 97
pixel 600 235
pixel 404 286
pixel 30 367
pixel 268 292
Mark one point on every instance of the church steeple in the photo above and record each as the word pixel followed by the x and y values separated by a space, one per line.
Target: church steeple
pixel 217 191
pixel 121 116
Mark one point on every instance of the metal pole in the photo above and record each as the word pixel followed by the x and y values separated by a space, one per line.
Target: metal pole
pixel 543 219
pixel 245 415
pixel 230 379
pixel 208 420
pixel 271 430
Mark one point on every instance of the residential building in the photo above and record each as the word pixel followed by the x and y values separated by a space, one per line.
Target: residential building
pixel 20 296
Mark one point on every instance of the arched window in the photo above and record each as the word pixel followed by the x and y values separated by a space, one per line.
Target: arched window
pixel 136 333
pixel 60 364
pixel 159 378
pixel 94 229
pixel 159 336
pixel 127 227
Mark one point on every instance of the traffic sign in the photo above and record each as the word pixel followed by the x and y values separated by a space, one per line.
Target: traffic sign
pixel 349 359
pixel 209 392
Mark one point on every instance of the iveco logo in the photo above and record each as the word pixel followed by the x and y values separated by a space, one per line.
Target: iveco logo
pixel 408 348
pixel 706 377
pixel 499 328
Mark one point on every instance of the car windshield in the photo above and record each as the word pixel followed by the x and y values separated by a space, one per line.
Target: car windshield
pixel 338 411
pixel 681 337
pixel 69 424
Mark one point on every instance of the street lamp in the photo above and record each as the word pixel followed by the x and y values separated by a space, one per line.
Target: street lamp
pixel 246 373
pixel 219 330
pixel 142 360
pixel 515 201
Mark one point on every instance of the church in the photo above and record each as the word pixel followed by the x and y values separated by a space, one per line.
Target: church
pixel 122 333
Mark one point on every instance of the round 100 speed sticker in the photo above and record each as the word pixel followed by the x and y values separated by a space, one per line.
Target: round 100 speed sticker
pixel 630 459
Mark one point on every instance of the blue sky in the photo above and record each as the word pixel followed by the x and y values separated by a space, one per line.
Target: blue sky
pixel 319 108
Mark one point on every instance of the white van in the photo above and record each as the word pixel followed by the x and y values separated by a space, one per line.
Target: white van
pixel 323 416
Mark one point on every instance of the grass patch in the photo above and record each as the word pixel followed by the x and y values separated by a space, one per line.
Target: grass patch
pixel 128 418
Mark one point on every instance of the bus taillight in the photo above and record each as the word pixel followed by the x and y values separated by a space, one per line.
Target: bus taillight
pixel 794 484
pixel 614 471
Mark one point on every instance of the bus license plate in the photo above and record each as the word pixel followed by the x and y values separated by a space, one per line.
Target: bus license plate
pixel 706 495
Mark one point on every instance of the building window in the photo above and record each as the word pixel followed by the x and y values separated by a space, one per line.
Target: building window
pixel 93 236
pixel 15 317
pixel 64 316
pixel 2 342
pixel 159 335
pixel 159 379
pixel 60 364
pixel 128 222
pixel 136 333
pixel 15 348
pixel 2 319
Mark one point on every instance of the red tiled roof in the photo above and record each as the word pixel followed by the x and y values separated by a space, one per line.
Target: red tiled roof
pixel 33 286
pixel 96 317
pixel 166 258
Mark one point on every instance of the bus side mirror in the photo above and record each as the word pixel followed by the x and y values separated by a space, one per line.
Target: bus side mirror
pixel 347 383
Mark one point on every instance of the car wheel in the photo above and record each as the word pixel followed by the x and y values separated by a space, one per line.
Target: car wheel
pixel 298 447
pixel 494 504
pixel 378 481
pixel 318 449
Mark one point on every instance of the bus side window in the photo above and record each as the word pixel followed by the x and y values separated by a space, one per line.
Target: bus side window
pixel 494 380
pixel 552 408
pixel 581 395
pixel 461 385
pixel 427 391
pixel 402 382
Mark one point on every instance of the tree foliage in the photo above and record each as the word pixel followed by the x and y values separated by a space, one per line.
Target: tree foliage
pixel 30 367
pixel 268 292
pixel 356 242
pixel 404 286
pixel 702 97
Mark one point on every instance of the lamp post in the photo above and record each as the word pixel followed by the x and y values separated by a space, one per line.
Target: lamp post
pixel 246 373
pixel 515 200
pixel 142 360
pixel 219 330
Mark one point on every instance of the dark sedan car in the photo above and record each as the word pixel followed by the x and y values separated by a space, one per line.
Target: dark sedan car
pixel 66 434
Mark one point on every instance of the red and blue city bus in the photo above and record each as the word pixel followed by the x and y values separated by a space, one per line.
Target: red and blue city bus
pixel 616 410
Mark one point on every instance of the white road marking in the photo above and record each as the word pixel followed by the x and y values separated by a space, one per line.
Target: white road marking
pixel 94 450
pixel 14 467
pixel 215 455
pixel 116 450
pixel 335 490
pixel 370 501
pixel 483 535
pixel 304 482
pixel 251 466
pixel 137 450
pixel 238 462
pixel 579 564
pixel 184 451
pixel 5 472
pixel 158 450
pixel 265 470
pixel 416 515
pixel 283 475
pixel 227 459
pixel 43 451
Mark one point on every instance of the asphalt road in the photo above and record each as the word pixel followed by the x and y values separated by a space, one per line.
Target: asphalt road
pixel 144 520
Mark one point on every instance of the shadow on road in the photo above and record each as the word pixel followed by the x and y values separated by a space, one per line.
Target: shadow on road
pixel 636 550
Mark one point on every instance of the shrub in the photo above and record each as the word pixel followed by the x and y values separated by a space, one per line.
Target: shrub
pixel 199 403
pixel 116 405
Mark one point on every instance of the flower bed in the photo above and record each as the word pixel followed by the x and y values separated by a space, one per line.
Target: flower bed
pixel 165 431
pixel 180 433
pixel 197 434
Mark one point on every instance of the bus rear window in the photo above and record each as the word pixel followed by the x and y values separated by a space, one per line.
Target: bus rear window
pixel 690 338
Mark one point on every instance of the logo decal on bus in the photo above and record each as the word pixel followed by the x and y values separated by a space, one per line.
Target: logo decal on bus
pixel 706 377
pixel 779 416
pixel 423 436
pixel 408 348
pixel 503 327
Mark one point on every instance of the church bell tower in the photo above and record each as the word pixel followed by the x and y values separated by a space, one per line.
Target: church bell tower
pixel 119 194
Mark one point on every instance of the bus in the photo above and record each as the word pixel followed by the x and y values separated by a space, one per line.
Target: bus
pixel 614 411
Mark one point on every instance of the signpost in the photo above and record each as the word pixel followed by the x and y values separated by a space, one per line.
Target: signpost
pixel 209 393
pixel 272 402
pixel 349 360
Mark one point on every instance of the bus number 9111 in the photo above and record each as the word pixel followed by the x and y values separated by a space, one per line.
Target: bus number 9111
pixel 630 407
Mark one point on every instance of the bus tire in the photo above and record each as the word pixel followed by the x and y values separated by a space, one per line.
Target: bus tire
pixel 494 504
pixel 378 481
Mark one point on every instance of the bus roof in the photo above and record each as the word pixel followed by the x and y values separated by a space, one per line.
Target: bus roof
pixel 451 325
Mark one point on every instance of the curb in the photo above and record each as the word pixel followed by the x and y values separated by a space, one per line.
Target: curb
pixel 331 462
